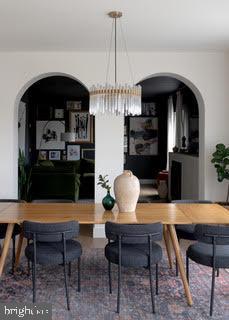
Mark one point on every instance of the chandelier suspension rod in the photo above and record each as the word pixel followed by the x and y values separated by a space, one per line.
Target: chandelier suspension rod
pixel 115 50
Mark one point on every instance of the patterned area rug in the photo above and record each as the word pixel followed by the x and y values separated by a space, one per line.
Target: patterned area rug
pixel 94 302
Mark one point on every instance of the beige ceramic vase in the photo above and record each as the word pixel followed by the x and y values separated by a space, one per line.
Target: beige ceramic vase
pixel 127 190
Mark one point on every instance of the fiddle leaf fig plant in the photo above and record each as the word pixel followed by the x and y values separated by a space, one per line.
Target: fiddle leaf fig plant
pixel 221 162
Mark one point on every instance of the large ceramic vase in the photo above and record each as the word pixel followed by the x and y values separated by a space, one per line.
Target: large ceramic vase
pixel 108 202
pixel 127 190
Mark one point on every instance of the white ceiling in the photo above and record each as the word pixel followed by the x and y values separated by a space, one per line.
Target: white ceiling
pixel 83 24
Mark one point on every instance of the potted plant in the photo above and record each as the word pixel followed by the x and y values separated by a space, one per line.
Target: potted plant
pixel 221 163
pixel 23 177
pixel 108 201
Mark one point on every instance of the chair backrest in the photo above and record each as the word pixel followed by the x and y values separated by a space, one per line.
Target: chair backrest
pixel 191 201
pixel 12 200
pixel 206 233
pixel 133 233
pixel 52 201
pixel 51 232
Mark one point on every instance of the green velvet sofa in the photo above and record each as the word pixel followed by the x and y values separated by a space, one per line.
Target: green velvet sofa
pixel 62 180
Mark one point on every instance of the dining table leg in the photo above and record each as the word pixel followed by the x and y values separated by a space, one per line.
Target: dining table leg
pixel 6 245
pixel 18 253
pixel 180 262
pixel 168 246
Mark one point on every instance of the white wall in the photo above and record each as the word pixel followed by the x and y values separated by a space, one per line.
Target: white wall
pixel 207 71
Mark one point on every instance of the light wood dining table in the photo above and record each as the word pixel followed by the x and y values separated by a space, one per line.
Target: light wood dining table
pixel 167 213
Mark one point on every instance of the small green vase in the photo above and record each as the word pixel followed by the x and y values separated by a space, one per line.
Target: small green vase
pixel 108 202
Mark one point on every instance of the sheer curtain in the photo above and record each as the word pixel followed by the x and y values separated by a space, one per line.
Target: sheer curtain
pixel 171 125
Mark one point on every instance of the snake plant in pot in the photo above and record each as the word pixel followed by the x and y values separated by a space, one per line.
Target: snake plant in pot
pixel 221 163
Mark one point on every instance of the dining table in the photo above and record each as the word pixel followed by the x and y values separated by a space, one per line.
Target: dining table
pixel 169 214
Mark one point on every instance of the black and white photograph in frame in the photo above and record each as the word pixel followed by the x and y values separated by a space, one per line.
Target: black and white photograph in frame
pixel 73 152
pixel 48 135
pixel 143 136
pixel 81 123
pixel 54 155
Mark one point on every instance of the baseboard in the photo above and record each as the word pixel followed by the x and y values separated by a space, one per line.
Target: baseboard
pixel 99 231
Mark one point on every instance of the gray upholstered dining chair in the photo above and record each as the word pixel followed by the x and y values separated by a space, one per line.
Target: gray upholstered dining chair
pixel 211 249
pixel 52 244
pixel 186 231
pixel 132 245
pixel 16 231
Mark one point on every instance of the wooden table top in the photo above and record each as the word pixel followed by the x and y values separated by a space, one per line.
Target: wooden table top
pixel 91 213
pixel 4 205
pixel 205 213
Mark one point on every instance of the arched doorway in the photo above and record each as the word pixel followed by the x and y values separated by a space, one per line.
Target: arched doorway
pixel 164 85
pixel 58 132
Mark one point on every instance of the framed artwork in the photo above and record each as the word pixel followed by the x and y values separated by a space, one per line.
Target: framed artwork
pixel 82 124
pixel 42 155
pixel 74 105
pixel 48 135
pixel 143 136
pixel 59 113
pixel 73 152
pixel 54 155
pixel 88 154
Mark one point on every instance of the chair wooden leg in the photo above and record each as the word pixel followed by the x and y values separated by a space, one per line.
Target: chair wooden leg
pixel 212 291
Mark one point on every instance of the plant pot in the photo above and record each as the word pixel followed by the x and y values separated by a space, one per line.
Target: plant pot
pixel 108 202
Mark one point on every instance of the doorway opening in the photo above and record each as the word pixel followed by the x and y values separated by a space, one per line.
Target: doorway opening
pixel 166 132
pixel 56 141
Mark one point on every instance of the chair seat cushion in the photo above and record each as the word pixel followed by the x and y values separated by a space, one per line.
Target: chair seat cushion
pixel 133 255
pixel 52 252
pixel 185 231
pixel 202 253
pixel 3 228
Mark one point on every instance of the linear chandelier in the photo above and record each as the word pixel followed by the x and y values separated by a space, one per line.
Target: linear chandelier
pixel 115 98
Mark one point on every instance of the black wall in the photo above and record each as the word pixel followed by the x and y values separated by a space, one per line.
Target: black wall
pixel 42 98
pixel 147 167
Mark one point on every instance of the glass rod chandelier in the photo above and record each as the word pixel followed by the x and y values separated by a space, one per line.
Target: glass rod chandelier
pixel 115 99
